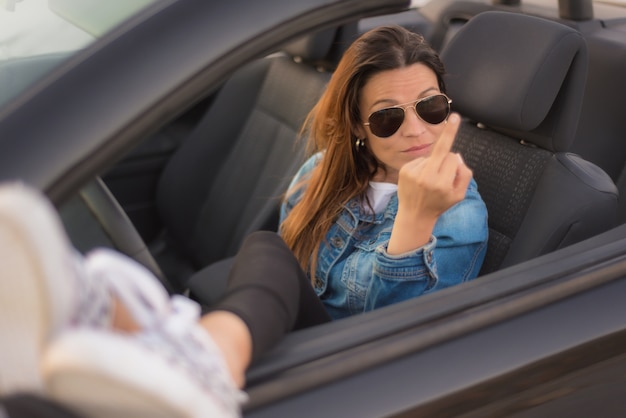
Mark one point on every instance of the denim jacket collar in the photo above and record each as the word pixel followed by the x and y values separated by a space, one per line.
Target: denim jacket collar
pixel 356 209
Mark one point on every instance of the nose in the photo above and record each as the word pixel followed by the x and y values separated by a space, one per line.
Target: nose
pixel 412 125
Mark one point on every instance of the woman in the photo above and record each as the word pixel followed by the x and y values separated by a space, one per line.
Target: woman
pixel 383 211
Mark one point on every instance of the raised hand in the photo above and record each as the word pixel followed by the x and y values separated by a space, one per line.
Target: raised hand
pixel 427 187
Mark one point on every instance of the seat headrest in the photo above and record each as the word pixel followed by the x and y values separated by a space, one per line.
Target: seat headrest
pixel 324 48
pixel 521 74
pixel 312 48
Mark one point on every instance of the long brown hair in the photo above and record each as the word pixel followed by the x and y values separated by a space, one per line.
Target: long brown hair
pixel 344 172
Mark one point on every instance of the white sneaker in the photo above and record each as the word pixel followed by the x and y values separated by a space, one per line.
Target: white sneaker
pixel 174 370
pixel 46 286
pixel 39 291
pixel 50 294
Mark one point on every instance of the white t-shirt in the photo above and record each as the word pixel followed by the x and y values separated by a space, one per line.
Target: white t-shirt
pixel 379 195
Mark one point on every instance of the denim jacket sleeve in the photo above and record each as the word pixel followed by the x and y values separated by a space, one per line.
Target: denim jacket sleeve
pixel 454 255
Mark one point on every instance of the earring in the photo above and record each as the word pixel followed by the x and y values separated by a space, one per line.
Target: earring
pixel 359 143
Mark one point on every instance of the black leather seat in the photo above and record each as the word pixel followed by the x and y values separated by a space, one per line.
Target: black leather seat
pixel 227 178
pixel 519 81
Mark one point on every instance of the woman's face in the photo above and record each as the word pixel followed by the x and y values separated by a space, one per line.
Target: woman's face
pixel 414 138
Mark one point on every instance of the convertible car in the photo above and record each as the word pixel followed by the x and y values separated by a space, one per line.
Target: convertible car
pixel 169 129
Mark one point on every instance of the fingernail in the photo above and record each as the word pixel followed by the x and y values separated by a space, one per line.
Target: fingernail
pixel 454 118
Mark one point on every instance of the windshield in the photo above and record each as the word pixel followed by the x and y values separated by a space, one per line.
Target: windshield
pixel 37 35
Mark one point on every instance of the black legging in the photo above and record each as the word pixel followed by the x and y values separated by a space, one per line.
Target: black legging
pixel 270 292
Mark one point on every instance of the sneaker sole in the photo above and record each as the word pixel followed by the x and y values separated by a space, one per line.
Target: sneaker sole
pixel 103 374
pixel 33 295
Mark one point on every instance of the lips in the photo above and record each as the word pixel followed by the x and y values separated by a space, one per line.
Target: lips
pixel 417 148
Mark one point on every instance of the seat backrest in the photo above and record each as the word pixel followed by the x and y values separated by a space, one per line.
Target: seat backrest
pixel 226 179
pixel 518 81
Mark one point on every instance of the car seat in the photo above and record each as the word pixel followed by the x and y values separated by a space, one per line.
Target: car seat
pixel 227 178
pixel 518 81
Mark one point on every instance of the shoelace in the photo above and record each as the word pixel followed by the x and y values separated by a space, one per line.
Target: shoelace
pixel 138 290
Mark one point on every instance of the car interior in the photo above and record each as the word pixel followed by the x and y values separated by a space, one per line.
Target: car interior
pixel 231 156
pixel 541 131
pixel 540 196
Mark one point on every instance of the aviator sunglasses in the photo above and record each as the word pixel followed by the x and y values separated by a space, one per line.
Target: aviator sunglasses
pixel 432 109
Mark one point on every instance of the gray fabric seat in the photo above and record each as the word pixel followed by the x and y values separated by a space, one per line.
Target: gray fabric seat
pixel 518 81
pixel 227 178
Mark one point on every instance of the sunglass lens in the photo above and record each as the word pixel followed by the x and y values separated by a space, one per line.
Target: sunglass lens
pixel 433 110
pixel 386 122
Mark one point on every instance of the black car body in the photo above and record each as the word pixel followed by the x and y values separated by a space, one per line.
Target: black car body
pixel 545 337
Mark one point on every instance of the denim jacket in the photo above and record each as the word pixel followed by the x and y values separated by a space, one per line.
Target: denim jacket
pixel 355 273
